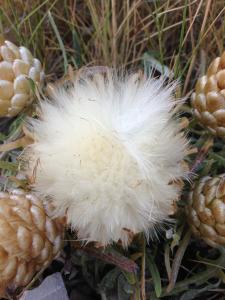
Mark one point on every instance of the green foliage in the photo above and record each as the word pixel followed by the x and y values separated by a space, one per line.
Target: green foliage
pixel 155 275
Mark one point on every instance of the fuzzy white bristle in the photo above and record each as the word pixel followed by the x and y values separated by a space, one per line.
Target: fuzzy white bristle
pixel 106 152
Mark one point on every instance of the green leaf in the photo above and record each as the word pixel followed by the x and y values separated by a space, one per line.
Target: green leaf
pixel 8 165
pixel 155 274
pixel 77 48
pixel 219 158
pixel 151 64
pixel 60 41
pixel 124 288
pixel 2 137
pixel 32 84
pixel 130 277
pixel 109 280
pixel 16 125
pixel 193 293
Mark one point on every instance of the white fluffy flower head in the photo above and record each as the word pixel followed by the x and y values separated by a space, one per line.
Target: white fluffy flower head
pixel 106 152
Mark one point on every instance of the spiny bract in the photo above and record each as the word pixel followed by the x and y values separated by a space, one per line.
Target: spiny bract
pixel 106 152
pixel 208 100
pixel 206 210
pixel 29 239
pixel 17 69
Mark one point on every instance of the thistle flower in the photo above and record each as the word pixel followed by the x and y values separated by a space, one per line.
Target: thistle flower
pixel 106 152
